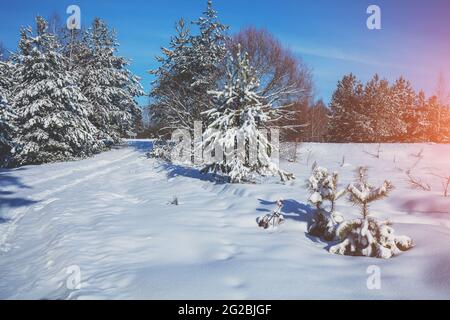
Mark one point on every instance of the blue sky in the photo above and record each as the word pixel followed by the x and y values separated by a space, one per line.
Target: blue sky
pixel 329 35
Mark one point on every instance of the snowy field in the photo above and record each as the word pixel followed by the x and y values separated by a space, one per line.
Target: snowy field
pixel 111 217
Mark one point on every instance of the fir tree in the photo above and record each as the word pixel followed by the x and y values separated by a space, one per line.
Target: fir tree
pixel 238 126
pixel 346 121
pixel 173 102
pixel 402 113
pixel 323 187
pixel 417 119
pixel 51 110
pixel 109 87
pixel 366 236
pixel 190 67
pixel 209 49
pixel 7 128
pixel 385 107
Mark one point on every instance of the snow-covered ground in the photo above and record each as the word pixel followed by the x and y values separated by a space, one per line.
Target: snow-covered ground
pixel 110 217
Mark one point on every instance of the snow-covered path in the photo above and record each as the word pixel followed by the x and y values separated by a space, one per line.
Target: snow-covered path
pixel 110 217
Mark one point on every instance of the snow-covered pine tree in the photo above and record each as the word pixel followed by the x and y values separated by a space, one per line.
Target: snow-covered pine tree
pixel 419 123
pixel 173 102
pixel 107 84
pixel 385 106
pixel 7 128
pixel 366 236
pixel 347 123
pixel 237 124
pixel 190 67
pixel 209 49
pixel 74 48
pixel 400 116
pixel 323 187
pixel 437 114
pixel 51 111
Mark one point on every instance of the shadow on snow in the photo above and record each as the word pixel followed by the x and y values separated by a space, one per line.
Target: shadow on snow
pixel 292 209
pixel 7 199
pixel 140 145
pixel 174 170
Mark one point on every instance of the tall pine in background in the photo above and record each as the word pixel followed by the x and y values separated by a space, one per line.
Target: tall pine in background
pixel 402 111
pixel 380 112
pixel 345 123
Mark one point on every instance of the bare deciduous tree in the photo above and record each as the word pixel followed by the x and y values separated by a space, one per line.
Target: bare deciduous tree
pixel 280 72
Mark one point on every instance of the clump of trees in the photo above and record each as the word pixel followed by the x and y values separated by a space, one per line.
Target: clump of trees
pixel 282 74
pixel 237 87
pixel 189 68
pixel 195 63
pixel 64 95
pixel 363 236
pixel 382 112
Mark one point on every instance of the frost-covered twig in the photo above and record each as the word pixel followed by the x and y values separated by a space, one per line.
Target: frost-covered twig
pixel 175 201
pixel 343 162
pixel 377 154
pixel 445 184
pixel 419 154
pixel 417 183
pixel 309 156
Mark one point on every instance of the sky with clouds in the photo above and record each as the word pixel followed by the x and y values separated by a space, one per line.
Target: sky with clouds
pixel 330 36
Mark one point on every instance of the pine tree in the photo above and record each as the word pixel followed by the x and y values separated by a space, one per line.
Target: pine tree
pixel 109 87
pixel 347 123
pixel 238 126
pixel 173 102
pixel 366 236
pixel 190 67
pixel 434 113
pixel 209 49
pixel 323 187
pixel 7 128
pixel 416 119
pixel 402 112
pixel 51 110
pixel 75 48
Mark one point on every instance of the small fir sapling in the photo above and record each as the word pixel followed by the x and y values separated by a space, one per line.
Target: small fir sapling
pixel 323 186
pixel 366 236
